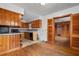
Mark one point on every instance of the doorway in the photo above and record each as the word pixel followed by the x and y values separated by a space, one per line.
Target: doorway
pixel 62 33
pixel 59 31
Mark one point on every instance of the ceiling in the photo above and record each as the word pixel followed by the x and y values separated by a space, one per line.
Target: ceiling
pixel 35 10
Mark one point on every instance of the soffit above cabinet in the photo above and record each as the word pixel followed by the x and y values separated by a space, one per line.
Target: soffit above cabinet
pixel 12 8
pixel 63 19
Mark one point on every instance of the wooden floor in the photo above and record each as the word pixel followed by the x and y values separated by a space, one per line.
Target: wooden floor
pixel 62 41
pixel 44 49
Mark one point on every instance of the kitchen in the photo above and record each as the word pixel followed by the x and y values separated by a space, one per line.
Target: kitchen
pixel 30 29
pixel 16 33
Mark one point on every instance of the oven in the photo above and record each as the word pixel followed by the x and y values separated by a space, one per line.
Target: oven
pixel 4 29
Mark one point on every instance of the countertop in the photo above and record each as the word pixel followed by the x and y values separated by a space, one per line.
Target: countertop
pixel 11 34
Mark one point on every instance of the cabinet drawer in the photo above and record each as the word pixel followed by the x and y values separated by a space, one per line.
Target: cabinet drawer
pixel 75 42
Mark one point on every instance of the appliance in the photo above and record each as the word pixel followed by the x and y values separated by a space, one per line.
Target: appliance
pixel 7 29
pixel 15 31
pixel 4 29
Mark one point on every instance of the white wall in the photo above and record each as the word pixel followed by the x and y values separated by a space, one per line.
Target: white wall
pixel 43 32
pixel 64 12
pixel 11 7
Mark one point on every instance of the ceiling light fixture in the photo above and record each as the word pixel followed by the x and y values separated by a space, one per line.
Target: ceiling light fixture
pixel 42 3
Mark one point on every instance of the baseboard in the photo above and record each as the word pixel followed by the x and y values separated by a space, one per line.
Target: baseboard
pixel 9 51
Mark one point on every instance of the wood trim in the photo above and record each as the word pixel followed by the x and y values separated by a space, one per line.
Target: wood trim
pixel 74 39
pixel 12 11
pixel 71 31
pixel 1 53
pixel 62 16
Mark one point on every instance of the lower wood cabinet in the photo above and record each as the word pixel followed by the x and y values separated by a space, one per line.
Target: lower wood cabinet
pixel 8 42
pixel 75 42
pixel 3 43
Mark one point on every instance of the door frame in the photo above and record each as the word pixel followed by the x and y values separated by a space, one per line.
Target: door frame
pixel 52 40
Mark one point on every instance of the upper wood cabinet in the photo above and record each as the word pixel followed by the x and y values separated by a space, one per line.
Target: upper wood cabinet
pixel 24 25
pixel 9 18
pixel 75 23
pixel 36 24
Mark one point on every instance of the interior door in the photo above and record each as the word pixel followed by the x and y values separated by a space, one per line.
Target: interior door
pixel 51 31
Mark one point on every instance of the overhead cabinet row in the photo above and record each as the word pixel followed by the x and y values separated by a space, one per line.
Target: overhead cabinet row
pixel 34 24
pixel 9 18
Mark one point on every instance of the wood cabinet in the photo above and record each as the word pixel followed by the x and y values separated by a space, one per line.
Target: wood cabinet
pixel 51 31
pixel 17 20
pixel 26 35
pixel 17 41
pixel 74 31
pixel 12 19
pixel 3 43
pixel 9 18
pixel 36 24
pixel 24 25
pixel 2 17
pixel 9 42
pixel 70 30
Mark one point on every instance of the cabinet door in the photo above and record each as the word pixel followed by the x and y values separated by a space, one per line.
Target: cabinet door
pixel 2 17
pixel 15 20
pixel 75 23
pixel 36 24
pixel 17 41
pixel 1 43
pixel 18 20
pixel 10 42
pixel 12 19
pixel 13 41
pixel 51 31
pixel 7 20
pixel 74 37
pixel 5 43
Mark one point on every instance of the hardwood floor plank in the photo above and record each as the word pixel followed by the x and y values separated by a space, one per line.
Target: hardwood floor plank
pixel 43 49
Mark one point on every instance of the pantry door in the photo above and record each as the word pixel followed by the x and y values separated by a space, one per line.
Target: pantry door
pixel 51 31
